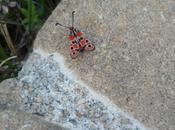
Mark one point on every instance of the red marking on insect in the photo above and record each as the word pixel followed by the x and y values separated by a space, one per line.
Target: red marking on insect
pixel 78 41
pixel 71 38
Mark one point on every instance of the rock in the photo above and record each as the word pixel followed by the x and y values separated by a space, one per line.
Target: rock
pixel 66 101
pixel 12 117
pixel 10 120
pixel 9 95
pixel 133 66
pixel 134 54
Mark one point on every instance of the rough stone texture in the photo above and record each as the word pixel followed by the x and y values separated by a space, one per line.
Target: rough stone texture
pixel 134 60
pixel 49 89
pixel 10 120
pixel 9 95
pixel 133 64
pixel 11 116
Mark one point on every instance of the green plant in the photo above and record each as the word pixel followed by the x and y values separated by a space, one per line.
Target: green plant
pixel 31 19
pixel 20 20
pixel 7 67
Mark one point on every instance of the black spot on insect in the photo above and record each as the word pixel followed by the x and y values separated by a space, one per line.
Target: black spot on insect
pixel 73 42
pixel 71 48
pixel 87 41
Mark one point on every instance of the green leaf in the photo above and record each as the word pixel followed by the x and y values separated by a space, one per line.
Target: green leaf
pixel 35 20
pixel 24 12
pixel 25 21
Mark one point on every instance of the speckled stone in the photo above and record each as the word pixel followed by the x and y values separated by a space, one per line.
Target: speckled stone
pixel 133 64
pixel 12 120
pixel 134 60
pixel 67 101
pixel 9 95
pixel 11 115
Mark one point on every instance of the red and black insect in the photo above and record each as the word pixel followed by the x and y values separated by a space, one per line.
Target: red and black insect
pixel 78 41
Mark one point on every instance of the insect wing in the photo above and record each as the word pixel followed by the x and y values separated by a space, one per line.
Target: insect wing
pixel 84 42
pixel 74 47
pixel 89 46
pixel 74 54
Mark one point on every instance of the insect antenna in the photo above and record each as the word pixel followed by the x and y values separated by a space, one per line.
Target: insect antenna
pixel 72 30
pixel 62 25
pixel 73 18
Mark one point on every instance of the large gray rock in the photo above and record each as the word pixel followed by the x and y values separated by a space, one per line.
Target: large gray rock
pixel 133 65
pixel 134 60
pixel 9 95
pixel 12 117
pixel 49 89
pixel 10 120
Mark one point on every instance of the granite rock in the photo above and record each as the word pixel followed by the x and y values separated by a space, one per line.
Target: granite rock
pixel 134 60
pixel 9 95
pixel 12 117
pixel 13 120
pixel 61 98
pixel 130 74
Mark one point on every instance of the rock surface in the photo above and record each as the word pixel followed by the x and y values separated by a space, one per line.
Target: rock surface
pixel 10 120
pixel 51 90
pixel 133 65
pixel 134 60
pixel 9 95
pixel 12 117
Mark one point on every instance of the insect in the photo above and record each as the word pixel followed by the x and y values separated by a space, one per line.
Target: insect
pixel 78 41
